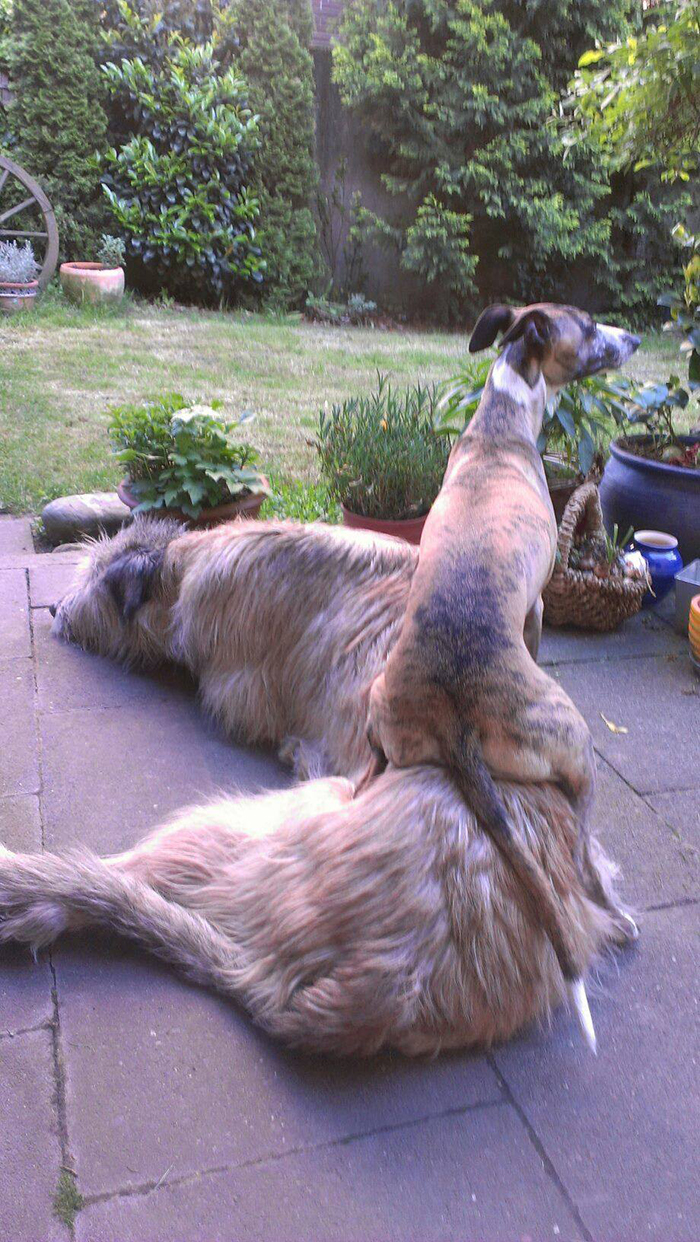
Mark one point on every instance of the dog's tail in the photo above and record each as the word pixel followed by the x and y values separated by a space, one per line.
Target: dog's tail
pixel 482 797
pixel 43 895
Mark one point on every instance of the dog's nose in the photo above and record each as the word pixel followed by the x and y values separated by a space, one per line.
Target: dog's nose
pixel 52 609
pixel 633 341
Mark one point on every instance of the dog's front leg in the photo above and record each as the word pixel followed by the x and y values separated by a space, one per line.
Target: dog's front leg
pixel 532 631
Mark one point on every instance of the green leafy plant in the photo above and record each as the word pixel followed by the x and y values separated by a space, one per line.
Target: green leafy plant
pixel 178 189
pixel 111 250
pixel 183 456
pixel 321 310
pixel 575 422
pixel 17 263
pixel 297 501
pixel 615 544
pixel 380 455
pixel 358 310
pixel 654 406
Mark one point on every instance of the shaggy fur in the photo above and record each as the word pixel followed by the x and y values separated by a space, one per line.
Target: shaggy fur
pixel 342 924
pixel 283 626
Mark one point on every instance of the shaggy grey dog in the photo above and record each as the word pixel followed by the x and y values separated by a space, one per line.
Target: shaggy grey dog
pixel 343 924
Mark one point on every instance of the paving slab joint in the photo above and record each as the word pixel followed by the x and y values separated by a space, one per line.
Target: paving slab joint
pixel 539 1147
pixel 67 1166
pixel 150 1187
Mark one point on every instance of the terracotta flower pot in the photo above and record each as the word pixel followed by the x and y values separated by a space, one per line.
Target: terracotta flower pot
pixel 92 282
pixel 247 507
pixel 409 529
pixel 16 297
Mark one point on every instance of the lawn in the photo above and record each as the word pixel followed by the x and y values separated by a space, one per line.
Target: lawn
pixel 61 368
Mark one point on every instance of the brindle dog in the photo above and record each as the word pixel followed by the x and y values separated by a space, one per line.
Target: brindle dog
pixel 461 687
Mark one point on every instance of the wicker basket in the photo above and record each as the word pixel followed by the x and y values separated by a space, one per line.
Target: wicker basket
pixel 575 598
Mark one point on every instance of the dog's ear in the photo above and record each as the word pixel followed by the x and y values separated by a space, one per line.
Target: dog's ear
pixel 493 320
pixel 534 327
pixel 131 578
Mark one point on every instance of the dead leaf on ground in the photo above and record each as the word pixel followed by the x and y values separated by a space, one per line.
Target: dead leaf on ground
pixel 613 727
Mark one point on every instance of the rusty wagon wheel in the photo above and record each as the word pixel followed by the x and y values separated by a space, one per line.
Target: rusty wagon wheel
pixel 26 214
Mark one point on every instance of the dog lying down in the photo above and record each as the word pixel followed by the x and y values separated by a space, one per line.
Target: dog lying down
pixel 343 924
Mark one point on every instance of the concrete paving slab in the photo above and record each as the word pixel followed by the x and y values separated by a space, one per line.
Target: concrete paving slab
pixel 658 701
pixel 429 1182
pixel 109 776
pixel 52 577
pixel 186 1082
pixel 681 810
pixel 19 772
pixel 25 992
pixel 656 862
pixel 622 1130
pixel 647 633
pixel 20 823
pixel 69 678
pixel 15 536
pixel 15 639
pixel 30 1157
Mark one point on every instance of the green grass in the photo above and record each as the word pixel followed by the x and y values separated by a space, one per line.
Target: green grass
pixel 68 1200
pixel 62 367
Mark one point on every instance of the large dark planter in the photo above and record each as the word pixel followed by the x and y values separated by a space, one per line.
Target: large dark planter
pixel 638 492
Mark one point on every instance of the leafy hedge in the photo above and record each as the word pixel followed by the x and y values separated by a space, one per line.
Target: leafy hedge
pixel 58 117
pixel 457 99
pixel 273 58
pixel 178 188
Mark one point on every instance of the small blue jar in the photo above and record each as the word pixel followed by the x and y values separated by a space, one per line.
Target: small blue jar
pixel 660 551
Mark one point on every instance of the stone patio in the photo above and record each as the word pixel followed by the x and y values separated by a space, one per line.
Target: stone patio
pixel 183 1123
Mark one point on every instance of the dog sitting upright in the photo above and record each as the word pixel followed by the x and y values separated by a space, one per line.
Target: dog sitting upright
pixel 461 687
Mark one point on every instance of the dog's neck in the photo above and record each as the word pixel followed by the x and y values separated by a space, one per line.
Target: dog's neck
pixel 514 398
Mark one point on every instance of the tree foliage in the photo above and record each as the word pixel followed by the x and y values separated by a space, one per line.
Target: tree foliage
pixel 456 97
pixel 274 59
pixel 178 188
pixel 639 99
pixel 638 102
pixel 58 117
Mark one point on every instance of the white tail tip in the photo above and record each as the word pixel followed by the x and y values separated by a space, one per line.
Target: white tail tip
pixel 577 992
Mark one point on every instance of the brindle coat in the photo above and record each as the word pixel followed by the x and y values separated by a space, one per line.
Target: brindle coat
pixel 461 687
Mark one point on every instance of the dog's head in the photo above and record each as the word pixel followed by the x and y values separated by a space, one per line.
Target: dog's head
pixel 119 603
pixel 561 343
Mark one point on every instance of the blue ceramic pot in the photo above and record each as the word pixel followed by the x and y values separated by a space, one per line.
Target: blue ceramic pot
pixel 660 551
pixel 638 492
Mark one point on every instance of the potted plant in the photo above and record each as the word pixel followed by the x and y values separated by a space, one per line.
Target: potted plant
pixel 102 281
pixel 18 276
pixel 382 460
pixel 652 480
pixel 573 428
pixel 183 461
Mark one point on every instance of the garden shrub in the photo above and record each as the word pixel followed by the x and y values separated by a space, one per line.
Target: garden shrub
pixel 456 97
pixel 380 455
pixel 274 60
pixel 183 456
pixel 179 186
pixel 57 118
